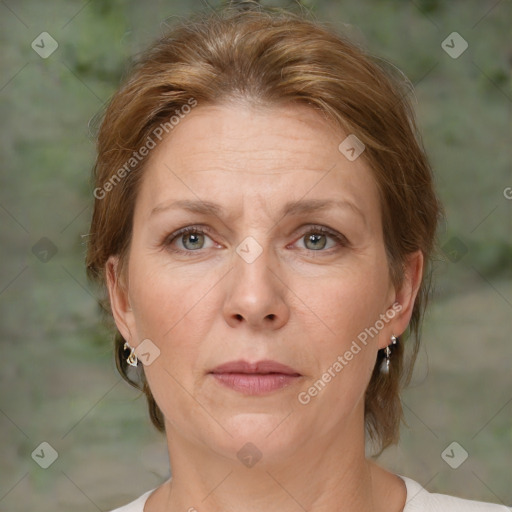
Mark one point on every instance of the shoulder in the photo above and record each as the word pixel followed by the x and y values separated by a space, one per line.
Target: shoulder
pixel 420 500
pixel 136 505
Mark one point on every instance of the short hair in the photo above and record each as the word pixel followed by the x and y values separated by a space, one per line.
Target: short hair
pixel 267 57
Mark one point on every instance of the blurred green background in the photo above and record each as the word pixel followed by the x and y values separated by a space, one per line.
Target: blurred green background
pixel 58 379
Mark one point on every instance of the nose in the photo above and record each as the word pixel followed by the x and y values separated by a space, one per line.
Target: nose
pixel 256 293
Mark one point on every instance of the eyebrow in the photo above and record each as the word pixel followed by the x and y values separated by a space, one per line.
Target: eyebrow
pixel 290 208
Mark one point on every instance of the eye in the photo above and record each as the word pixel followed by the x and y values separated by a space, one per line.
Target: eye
pixel 189 239
pixel 193 238
pixel 316 239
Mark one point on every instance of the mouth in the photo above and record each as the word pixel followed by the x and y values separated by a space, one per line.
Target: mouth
pixel 260 368
pixel 255 378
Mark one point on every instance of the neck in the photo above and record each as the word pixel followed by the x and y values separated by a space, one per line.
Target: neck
pixel 325 473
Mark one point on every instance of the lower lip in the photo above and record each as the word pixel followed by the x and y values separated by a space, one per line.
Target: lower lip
pixel 255 384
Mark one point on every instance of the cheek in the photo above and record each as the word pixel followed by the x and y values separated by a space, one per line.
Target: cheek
pixel 167 306
pixel 163 298
pixel 343 365
pixel 176 308
pixel 344 304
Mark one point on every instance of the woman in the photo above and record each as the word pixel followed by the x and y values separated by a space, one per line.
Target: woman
pixel 264 221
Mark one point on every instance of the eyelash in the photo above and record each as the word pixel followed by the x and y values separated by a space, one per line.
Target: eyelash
pixel 315 229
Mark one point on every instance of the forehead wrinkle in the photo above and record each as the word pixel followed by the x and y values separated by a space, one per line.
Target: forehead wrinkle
pixel 291 208
pixel 245 171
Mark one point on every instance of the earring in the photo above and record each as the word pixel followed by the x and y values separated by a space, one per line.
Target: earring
pixel 132 358
pixel 384 366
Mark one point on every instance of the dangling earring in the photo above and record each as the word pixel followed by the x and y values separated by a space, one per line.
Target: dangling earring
pixel 132 358
pixel 384 366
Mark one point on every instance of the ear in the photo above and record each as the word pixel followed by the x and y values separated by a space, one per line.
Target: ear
pixel 406 295
pixel 119 301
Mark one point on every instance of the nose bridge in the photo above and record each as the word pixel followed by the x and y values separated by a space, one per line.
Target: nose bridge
pixel 255 292
pixel 253 259
pixel 254 267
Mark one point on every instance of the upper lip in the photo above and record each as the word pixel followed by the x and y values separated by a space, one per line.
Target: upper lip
pixel 259 367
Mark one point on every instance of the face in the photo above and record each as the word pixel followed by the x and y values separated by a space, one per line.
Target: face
pixel 283 259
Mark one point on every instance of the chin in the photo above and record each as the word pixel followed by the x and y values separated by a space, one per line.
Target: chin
pixel 258 435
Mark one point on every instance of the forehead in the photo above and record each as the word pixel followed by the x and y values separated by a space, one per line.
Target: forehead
pixel 235 153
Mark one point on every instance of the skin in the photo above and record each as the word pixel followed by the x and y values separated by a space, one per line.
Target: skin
pixel 298 303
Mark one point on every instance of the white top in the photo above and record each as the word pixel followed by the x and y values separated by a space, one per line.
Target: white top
pixel 418 500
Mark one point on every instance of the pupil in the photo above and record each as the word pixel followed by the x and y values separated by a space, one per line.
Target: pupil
pixel 194 239
pixel 315 239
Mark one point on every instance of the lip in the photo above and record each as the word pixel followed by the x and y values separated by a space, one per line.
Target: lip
pixel 264 367
pixel 255 378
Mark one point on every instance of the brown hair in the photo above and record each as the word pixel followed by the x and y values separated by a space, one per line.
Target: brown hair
pixel 268 57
